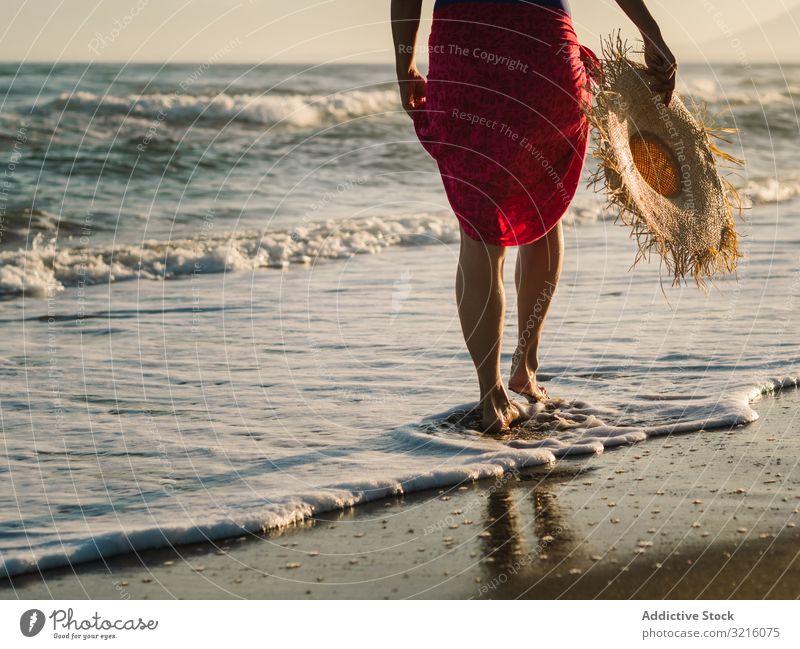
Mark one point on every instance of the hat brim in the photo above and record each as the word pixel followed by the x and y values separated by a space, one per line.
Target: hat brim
pixel 690 225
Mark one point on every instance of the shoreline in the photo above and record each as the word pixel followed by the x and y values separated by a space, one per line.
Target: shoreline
pixel 711 514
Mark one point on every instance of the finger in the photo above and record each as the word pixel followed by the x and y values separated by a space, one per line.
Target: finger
pixel 659 78
pixel 661 84
pixel 671 69
pixel 659 61
pixel 657 67
pixel 664 87
pixel 661 91
pixel 662 68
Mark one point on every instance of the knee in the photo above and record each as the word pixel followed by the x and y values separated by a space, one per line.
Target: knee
pixel 475 251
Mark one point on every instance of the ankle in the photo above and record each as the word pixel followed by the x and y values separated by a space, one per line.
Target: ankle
pixel 532 361
pixel 495 397
pixel 526 370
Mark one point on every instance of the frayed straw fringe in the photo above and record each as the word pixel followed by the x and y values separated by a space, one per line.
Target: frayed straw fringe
pixel 680 261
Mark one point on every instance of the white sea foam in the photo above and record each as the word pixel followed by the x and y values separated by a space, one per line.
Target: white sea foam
pixel 480 464
pixel 47 265
pixel 580 431
pixel 772 190
pixel 713 91
pixel 296 110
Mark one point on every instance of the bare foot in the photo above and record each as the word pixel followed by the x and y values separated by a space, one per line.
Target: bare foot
pixel 523 381
pixel 499 417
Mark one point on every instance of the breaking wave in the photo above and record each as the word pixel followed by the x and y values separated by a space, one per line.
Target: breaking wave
pixel 292 110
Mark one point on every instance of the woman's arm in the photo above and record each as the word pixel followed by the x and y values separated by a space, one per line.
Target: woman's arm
pixel 405 24
pixel 657 56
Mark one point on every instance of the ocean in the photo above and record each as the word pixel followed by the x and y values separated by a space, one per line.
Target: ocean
pixel 227 304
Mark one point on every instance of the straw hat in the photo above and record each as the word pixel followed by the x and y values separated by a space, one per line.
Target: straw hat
pixel 658 166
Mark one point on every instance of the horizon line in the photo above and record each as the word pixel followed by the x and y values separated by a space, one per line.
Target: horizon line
pixel 317 62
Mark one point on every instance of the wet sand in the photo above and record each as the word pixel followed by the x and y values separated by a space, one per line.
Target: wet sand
pixel 711 515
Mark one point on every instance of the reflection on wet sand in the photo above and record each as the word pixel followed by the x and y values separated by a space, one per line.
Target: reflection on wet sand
pixel 514 539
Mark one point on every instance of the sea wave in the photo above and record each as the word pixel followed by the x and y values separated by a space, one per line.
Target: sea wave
pixel 294 110
pixel 472 458
pixel 762 191
pixel 18 224
pixel 299 110
pixel 479 462
pixel 712 91
pixel 46 267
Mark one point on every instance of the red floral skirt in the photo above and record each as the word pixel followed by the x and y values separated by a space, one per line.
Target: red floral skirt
pixel 504 116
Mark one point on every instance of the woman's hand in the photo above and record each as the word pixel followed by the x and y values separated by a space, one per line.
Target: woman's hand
pixel 412 89
pixel 405 24
pixel 661 65
pixel 657 56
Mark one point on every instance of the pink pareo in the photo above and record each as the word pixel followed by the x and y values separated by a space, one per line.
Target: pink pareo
pixel 503 116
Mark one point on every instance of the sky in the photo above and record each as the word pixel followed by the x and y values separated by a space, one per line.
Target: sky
pixel 281 31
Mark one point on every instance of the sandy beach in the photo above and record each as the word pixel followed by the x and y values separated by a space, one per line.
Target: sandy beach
pixel 705 515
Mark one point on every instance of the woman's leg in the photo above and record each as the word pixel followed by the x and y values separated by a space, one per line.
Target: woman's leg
pixel 537 273
pixel 481 309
